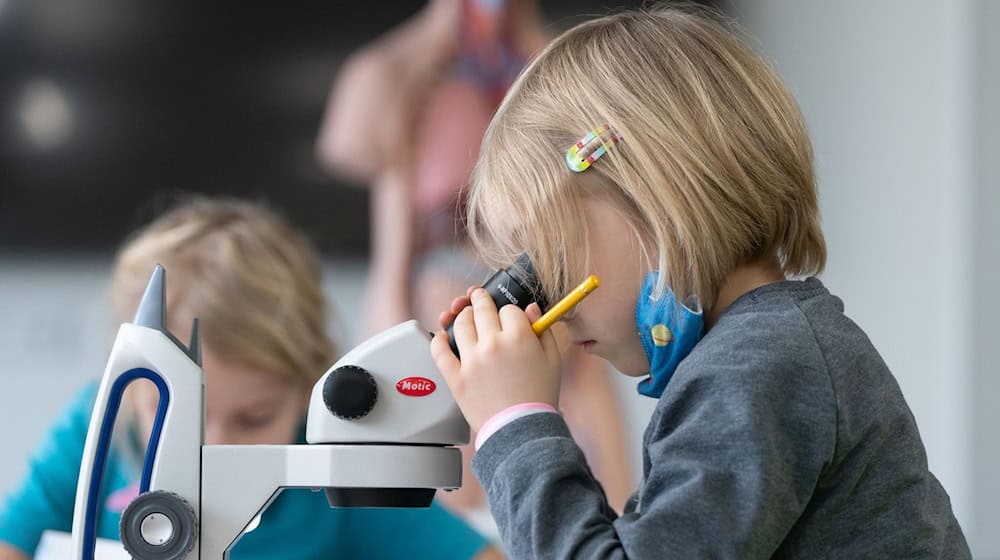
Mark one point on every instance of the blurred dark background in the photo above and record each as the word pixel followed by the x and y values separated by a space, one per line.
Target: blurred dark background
pixel 109 109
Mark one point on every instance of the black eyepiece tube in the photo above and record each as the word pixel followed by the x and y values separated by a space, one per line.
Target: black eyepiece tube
pixel 517 284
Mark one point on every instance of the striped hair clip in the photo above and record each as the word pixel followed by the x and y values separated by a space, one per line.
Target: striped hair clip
pixel 591 147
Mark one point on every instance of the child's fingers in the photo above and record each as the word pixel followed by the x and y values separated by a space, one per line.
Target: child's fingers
pixel 548 340
pixel 460 303
pixel 465 330
pixel 445 360
pixel 457 305
pixel 533 312
pixel 464 301
pixel 484 313
pixel 512 318
pixel 446 318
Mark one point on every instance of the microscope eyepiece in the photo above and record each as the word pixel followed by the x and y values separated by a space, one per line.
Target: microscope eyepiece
pixel 517 284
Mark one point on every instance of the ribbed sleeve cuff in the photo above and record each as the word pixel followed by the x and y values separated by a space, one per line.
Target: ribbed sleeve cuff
pixel 508 415
pixel 506 440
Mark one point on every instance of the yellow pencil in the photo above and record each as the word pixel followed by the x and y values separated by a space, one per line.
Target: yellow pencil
pixel 565 304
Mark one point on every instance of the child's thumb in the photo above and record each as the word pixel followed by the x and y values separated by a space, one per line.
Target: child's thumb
pixel 548 340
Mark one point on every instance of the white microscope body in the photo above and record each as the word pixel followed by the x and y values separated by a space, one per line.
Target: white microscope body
pixel 381 427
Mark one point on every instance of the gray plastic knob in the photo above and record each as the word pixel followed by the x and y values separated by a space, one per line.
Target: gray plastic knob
pixel 158 525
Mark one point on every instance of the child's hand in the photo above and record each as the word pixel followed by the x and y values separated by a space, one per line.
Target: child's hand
pixel 457 305
pixel 503 362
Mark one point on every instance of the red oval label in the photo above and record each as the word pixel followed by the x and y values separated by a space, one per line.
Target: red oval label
pixel 416 386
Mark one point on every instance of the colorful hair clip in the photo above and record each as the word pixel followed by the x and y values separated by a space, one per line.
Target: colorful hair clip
pixel 590 148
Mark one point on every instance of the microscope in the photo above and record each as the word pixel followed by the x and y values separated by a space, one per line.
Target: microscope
pixel 382 428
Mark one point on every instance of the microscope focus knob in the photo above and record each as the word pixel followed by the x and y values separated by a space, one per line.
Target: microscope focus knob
pixel 350 392
pixel 159 525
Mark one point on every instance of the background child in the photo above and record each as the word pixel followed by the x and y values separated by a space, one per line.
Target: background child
pixel 779 430
pixel 254 282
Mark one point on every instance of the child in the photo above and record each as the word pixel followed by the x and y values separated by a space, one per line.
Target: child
pixel 779 430
pixel 255 284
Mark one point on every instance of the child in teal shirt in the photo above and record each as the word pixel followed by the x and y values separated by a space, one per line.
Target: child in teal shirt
pixel 298 524
pixel 255 285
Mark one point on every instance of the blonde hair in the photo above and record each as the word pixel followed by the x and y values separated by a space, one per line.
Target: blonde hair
pixel 715 167
pixel 251 279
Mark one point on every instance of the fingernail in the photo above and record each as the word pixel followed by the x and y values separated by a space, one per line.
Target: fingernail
pixel 478 293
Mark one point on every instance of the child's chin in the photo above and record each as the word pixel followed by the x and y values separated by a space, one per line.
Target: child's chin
pixel 629 367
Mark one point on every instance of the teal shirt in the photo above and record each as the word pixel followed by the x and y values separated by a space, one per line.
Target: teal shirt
pixel 299 524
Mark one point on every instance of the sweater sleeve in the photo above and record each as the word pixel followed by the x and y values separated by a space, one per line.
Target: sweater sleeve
pixel 730 461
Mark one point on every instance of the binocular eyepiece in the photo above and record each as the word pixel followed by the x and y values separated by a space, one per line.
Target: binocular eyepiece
pixel 517 284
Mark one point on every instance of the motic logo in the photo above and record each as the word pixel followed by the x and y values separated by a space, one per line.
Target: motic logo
pixel 416 386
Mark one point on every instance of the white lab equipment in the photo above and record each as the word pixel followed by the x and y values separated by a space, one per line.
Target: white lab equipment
pixel 382 428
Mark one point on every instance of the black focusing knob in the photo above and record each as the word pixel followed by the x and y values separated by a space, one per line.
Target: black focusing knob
pixel 350 392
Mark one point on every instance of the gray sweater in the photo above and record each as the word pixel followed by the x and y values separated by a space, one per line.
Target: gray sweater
pixel 783 434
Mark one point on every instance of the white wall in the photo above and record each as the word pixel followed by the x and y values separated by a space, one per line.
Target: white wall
pixel 54 334
pixel 986 263
pixel 890 92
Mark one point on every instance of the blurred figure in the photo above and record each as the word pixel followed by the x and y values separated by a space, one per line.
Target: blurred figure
pixel 406 116
pixel 255 284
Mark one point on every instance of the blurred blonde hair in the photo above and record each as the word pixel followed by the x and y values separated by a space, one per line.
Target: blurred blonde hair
pixel 251 279
pixel 715 167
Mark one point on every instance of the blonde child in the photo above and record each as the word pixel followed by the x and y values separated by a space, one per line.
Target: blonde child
pixel 255 284
pixel 779 431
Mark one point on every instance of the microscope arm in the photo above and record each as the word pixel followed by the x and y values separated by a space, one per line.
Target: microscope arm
pixel 233 495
